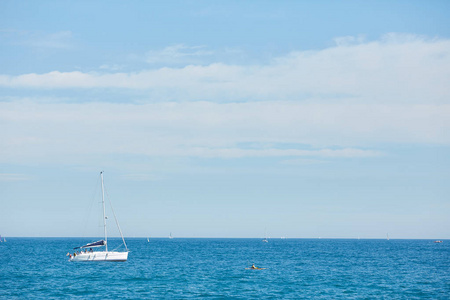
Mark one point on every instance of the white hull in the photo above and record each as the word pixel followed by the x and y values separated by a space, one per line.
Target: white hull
pixel 100 256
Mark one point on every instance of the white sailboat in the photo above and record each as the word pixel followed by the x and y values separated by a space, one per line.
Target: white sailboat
pixel 170 236
pixel 265 238
pixel 90 255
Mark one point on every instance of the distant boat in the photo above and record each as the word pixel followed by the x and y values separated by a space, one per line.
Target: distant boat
pixel 100 255
pixel 438 241
pixel 148 241
pixel 170 236
pixel 265 238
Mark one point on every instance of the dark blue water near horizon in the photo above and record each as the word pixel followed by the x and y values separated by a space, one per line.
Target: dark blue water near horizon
pixel 215 268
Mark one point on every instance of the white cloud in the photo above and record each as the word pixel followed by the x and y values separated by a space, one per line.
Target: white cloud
pixel 140 177
pixel 303 161
pixel 398 68
pixel 239 153
pixel 39 39
pixel 343 101
pixel 62 39
pixel 349 40
pixel 13 177
pixel 113 67
pixel 49 131
pixel 176 54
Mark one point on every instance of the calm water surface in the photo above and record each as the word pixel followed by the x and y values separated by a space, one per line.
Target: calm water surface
pixel 215 268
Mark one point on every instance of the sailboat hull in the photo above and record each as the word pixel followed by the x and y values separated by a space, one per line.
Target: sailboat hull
pixel 100 256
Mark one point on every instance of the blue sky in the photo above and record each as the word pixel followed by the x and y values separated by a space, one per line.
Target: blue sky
pixel 222 119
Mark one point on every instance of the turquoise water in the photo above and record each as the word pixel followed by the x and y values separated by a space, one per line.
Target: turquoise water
pixel 215 268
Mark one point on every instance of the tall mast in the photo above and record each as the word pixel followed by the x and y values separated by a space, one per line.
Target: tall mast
pixel 104 217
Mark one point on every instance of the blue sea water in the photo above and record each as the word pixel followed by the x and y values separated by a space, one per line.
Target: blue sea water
pixel 34 268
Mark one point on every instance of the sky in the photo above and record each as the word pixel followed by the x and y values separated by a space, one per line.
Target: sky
pixel 302 119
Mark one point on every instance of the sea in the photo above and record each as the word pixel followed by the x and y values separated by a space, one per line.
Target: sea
pixel 191 268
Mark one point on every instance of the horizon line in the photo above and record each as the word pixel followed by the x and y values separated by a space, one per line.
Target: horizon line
pixel 277 238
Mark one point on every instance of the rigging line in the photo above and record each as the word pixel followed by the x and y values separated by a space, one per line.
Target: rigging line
pixel 120 245
pixel 87 216
pixel 115 219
